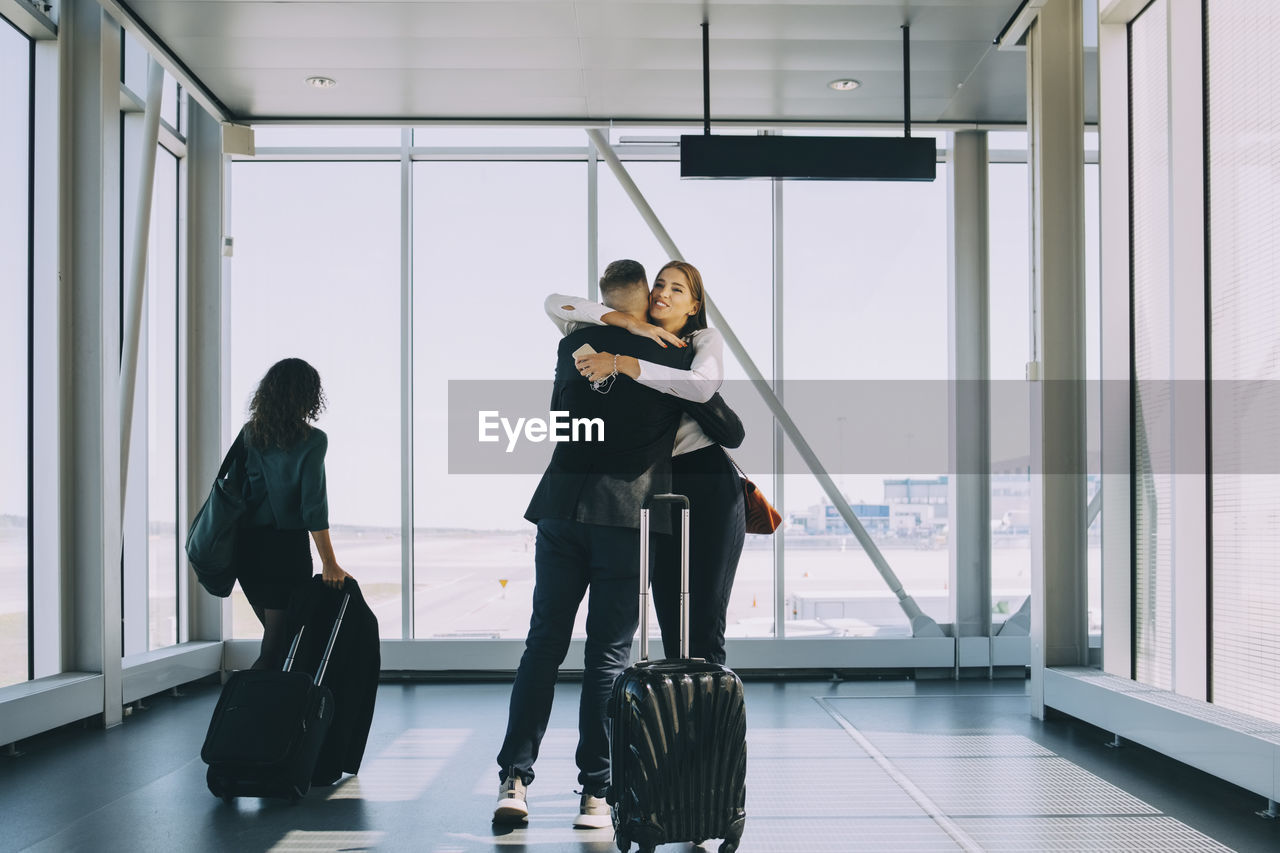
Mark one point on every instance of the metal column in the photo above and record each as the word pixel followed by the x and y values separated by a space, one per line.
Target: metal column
pixel 779 470
pixel 407 538
pixel 593 222
pixel 201 435
pixel 89 194
pixel 969 394
pixel 1055 110
pixel 1117 483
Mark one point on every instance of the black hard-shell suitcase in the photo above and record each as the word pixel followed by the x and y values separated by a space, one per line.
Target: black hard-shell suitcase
pixel 678 750
pixel 268 727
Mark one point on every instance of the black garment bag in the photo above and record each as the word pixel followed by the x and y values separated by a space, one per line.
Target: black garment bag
pixel 354 666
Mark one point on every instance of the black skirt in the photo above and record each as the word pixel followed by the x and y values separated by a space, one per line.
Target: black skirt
pixel 271 563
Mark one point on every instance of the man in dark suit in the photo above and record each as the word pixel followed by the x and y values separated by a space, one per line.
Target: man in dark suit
pixel 587 508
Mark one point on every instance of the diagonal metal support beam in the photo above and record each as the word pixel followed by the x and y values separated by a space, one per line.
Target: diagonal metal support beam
pixel 136 296
pixel 921 625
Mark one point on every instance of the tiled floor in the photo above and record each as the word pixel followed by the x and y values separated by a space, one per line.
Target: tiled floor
pixel 852 766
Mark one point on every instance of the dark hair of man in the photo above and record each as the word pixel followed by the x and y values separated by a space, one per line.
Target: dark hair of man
pixel 697 320
pixel 622 274
pixel 286 399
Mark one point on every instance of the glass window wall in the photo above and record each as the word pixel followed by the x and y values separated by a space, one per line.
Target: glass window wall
pixel 1093 376
pixel 864 284
pixel 725 229
pixel 15 221
pixel 491 241
pixel 316 275
pixel 150 569
pixel 162 405
pixel 865 364
pixel 1009 331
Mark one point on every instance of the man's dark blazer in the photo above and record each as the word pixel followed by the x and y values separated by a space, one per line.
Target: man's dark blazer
pixel 607 482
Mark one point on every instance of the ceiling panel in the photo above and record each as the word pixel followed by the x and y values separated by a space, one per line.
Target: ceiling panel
pixel 331 55
pixel 417 93
pixel 782 108
pixel 307 19
pixel 595 59
pixel 996 88
pixel 962 20
pixel 758 54
pixel 749 84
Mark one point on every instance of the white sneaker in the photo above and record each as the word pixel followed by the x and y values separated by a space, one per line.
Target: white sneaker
pixel 594 813
pixel 511 807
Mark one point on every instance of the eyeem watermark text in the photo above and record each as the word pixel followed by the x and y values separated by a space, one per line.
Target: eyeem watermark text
pixel 558 427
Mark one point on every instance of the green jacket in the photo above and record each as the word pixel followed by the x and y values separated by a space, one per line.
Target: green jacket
pixel 292 482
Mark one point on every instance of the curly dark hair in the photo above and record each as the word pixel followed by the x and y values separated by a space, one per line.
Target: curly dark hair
pixel 286 399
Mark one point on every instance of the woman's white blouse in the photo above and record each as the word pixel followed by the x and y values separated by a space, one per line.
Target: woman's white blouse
pixel 571 313
pixel 697 384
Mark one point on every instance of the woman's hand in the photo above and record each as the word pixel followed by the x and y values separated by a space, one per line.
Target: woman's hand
pixel 598 365
pixel 656 333
pixel 642 329
pixel 332 573
pixel 602 364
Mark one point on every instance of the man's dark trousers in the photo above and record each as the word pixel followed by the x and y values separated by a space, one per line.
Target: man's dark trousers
pixel 570 558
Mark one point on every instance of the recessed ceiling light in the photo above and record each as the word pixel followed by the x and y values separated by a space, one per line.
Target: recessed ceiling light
pixel 844 85
pixel 322 82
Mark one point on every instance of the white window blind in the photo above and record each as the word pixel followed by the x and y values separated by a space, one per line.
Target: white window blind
pixel 1152 343
pixel 1243 154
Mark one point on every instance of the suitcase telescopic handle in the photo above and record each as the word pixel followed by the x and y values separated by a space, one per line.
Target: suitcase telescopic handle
pixel 684 572
pixel 333 637
pixel 293 649
pixel 328 648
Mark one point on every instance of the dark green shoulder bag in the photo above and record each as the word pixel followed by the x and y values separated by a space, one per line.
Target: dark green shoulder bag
pixel 211 541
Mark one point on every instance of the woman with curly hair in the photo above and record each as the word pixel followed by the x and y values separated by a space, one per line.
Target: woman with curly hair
pixel 284 462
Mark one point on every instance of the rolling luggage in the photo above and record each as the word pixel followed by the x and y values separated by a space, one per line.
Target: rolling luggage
pixel 268 727
pixel 678 750
pixel 352 674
